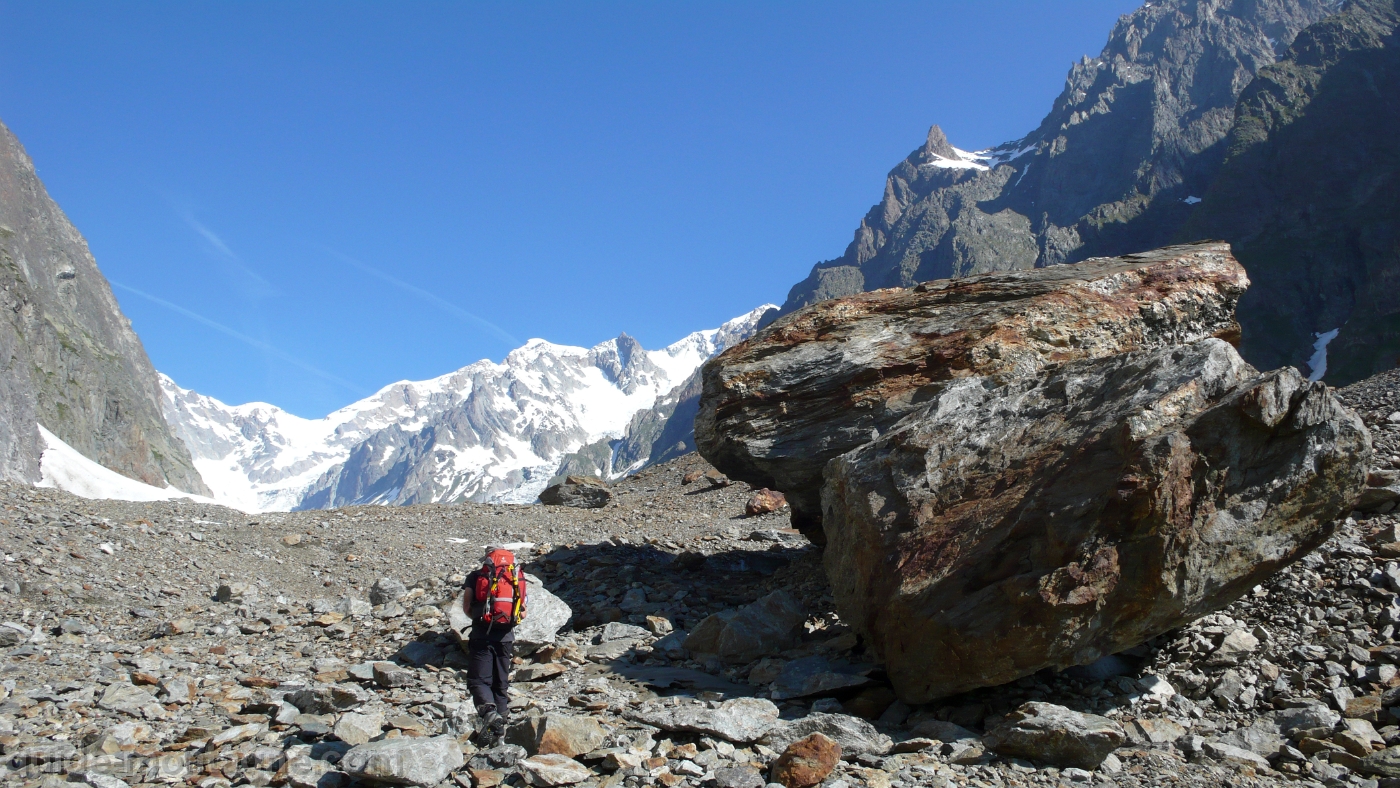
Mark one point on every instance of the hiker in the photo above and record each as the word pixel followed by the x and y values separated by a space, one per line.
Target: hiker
pixel 495 601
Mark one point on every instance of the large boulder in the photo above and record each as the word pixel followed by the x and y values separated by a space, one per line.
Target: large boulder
pixel 545 615
pixel 1045 523
pixel 829 378
pixel 580 492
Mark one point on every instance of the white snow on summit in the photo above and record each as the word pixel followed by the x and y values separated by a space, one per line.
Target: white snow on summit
pixel 487 431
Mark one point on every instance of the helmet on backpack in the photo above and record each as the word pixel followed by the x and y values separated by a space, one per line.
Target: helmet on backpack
pixel 498 595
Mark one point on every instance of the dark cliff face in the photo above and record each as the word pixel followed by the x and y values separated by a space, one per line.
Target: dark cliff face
pixel 1310 194
pixel 68 358
pixel 1135 133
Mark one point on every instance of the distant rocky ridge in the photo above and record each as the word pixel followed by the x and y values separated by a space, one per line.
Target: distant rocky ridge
pixel 1117 166
pixel 487 432
pixel 68 358
pixel 1308 197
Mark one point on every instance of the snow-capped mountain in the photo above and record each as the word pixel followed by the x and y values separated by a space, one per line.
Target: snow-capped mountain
pixel 487 432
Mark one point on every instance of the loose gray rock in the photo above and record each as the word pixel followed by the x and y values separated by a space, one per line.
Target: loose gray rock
pixel 856 736
pixel 745 634
pixel 814 676
pixel 355 729
pixel 1054 734
pixel 330 698
pixel 404 761
pixel 385 590
pixel 742 720
pixel 552 770
pixel 1307 718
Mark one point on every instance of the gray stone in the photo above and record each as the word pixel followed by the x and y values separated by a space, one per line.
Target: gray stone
pixel 1236 645
pixel 742 720
pixel 1385 763
pixel 856 736
pixel 355 608
pixel 552 770
pixel 559 734
pixel 738 777
pixel 814 676
pixel 404 761
pixel 1307 718
pixel 330 698
pixel 97 779
pixel 742 635
pixel 389 674
pixel 237 593
pixel 1054 734
pixel 353 728
pixel 385 590
pixel 303 771
pixel 1261 738
pixel 130 699
pixel 616 630
pixel 1229 753
pixel 580 492
pixel 40 754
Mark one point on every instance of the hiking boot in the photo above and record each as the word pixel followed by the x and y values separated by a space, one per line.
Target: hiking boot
pixel 496 730
pixel 487 721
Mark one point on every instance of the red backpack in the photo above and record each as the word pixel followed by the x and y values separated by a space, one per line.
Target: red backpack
pixel 499 594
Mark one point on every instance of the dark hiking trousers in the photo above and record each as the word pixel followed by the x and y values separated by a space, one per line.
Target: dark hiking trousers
pixel 488 673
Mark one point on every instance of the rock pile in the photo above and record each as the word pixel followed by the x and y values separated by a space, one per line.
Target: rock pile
pixel 828 379
pixel 146 677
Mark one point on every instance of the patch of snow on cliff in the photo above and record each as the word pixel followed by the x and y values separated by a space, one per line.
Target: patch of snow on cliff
pixel 1317 365
pixel 966 160
pixel 63 467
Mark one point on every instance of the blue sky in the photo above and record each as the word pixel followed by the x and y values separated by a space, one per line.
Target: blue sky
pixel 299 203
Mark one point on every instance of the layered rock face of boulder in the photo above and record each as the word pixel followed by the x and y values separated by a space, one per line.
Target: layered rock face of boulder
pixel 1005 528
pixel 834 376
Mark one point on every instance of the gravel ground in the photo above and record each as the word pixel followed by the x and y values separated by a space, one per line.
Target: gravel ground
pixel 120 662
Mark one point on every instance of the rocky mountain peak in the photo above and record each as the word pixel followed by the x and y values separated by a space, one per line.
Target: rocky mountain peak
pixel 937 144
pixel 1136 133
pixel 71 362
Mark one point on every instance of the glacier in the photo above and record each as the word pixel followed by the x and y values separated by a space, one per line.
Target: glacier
pixel 490 432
